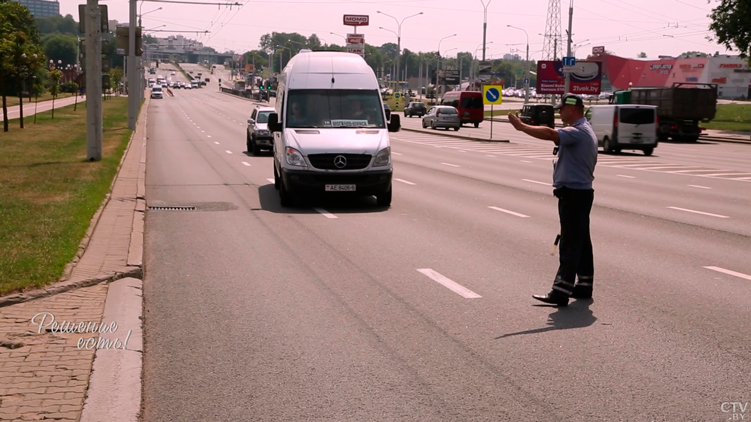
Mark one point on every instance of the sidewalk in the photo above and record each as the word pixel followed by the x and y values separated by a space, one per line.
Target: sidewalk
pixel 46 373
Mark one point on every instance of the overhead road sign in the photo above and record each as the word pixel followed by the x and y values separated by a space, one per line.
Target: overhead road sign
pixel 569 61
pixel 491 94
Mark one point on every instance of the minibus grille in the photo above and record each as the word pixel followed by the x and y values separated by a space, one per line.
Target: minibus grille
pixel 339 161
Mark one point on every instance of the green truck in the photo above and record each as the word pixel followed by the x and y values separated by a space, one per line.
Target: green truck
pixel 680 108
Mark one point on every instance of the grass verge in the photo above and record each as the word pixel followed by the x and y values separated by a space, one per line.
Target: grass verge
pixel 731 117
pixel 49 192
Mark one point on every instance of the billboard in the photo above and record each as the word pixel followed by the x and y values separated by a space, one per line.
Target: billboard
pixel 451 77
pixel 356 44
pixel 356 20
pixel 585 78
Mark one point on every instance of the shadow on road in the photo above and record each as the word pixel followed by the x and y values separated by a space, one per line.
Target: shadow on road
pixel 576 315
pixel 333 203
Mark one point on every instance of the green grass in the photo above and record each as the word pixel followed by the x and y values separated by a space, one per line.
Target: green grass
pixel 731 117
pixel 500 112
pixel 49 192
pixel 13 101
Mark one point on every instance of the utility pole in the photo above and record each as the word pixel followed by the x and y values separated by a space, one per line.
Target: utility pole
pixel 93 81
pixel 133 96
pixel 566 75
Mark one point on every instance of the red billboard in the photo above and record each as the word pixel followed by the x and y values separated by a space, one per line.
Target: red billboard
pixel 585 78
pixel 356 20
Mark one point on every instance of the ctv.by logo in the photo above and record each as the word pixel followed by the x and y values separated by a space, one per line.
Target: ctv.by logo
pixel 736 409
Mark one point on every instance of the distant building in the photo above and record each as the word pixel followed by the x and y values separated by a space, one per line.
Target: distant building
pixel 511 57
pixel 41 8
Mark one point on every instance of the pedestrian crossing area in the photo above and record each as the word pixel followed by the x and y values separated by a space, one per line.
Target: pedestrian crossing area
pixel 535 152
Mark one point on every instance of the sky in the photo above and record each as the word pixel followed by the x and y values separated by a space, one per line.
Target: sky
pixel 624 27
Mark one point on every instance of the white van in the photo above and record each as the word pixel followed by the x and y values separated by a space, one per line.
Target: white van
pixel 330 129
pixel 624 126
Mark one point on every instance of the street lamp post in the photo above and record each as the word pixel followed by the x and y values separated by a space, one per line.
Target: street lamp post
pixel 438 59
pixel 399 38
pixel 393 68
pixel 526 73
pixel 484 26
pixel 475 56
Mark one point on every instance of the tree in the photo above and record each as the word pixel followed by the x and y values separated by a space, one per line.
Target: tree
pixel 17 25
pixel 642 55
pixel 60 47
pixel 730 23
pixel 58 25
pixel 690 54
pixel 28 58
pixel 116 76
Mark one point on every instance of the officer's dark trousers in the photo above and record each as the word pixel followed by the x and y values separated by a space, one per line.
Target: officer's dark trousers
pixel 575 245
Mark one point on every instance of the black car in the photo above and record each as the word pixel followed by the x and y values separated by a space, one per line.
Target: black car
pixel 415 108
pixel 387 110
pixel 538 115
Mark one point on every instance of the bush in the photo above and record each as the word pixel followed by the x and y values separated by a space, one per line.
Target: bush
pixel 71 87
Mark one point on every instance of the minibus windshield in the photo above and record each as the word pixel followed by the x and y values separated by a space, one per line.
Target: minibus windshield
pixel 334 108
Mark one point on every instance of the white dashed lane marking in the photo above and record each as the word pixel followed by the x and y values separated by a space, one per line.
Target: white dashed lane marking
pixel 699 186
pixel 449 284
pixel 699 212
pixel 730 272
pixel 325 213
pixel 535 181
pixel 450 165
pixel 404 181
pixel 509 212
pixel 246 164
pixel 627 177
pixel 228 151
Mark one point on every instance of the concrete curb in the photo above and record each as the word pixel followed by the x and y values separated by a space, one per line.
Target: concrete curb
pixel 114 392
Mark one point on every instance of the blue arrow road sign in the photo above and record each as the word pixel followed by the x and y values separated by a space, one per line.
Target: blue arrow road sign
pixel 569 61
pixel 526 82
pixel 396 95
pixel 492 95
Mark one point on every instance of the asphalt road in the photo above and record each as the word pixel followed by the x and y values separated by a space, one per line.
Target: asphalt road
pixel 340 310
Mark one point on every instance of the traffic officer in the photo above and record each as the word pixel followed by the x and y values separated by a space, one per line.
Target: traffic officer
pixel 573 173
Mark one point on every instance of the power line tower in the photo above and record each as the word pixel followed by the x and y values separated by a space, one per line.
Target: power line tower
pixel 553 41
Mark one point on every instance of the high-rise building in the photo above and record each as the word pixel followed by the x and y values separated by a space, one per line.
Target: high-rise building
pixel 41 8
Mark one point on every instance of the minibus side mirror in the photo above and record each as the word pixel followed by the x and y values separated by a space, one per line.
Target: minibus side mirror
pixel 274 124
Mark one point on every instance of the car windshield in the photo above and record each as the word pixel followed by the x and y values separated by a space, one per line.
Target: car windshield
pixel 334 108
pixel 263 117
pixel 418 105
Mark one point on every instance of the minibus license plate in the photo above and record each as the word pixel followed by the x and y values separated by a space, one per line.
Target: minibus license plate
pixel 340 188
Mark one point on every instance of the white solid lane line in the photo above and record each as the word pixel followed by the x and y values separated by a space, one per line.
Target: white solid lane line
pixel 325 213
pixel 246 164
pixel 700 187
pixel 535 181
pixel 729 272
pixel 449 284
pixel 699 212
pixel 448 164
pixel 270 180
pixel 404 181
pixel 508 212
pixel 228 151
pixel 627 177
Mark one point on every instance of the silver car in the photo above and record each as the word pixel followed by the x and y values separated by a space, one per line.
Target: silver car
pixel 442 116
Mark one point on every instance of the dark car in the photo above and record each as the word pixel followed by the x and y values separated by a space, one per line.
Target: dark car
pixel 538 115
pixel 387 110
pixel 258 134
pixel 415 108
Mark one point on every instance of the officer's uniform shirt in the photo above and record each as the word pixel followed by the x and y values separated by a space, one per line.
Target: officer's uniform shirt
pixel 574 164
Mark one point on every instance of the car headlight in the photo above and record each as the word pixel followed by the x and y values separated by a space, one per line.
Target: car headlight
pixel 383 158
pixel 295 158
pixel 262 132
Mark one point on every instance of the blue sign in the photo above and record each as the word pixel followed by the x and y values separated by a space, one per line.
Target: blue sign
pixel 569 61
pixel 492 95
pixel 396 95
pixel 526 81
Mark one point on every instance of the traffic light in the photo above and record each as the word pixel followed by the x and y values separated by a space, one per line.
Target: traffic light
pixel 122 34
pixel 268 87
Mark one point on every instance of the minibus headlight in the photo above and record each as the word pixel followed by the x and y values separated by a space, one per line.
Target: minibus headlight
pixel 294 158
pixel 383 158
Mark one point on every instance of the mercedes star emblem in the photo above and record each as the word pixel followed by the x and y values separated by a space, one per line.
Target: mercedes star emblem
pixel 340 161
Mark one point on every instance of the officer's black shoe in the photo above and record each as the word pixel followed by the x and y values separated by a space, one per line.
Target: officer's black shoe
pixel 582 292
pixel 554 297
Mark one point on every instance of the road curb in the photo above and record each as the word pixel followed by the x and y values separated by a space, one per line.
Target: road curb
pixel 454 136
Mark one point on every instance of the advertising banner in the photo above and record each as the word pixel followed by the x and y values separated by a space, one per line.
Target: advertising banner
pixel 451 77
pixel 356 20
pixel 585 78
